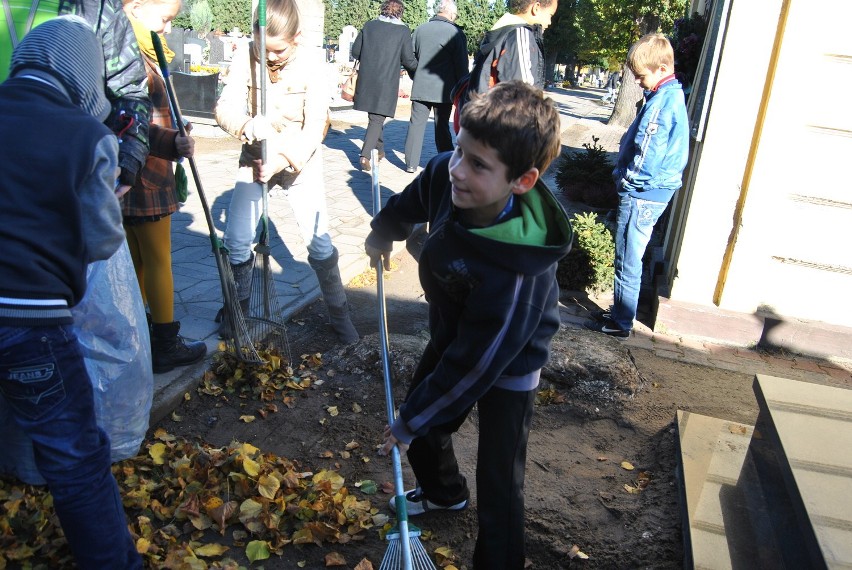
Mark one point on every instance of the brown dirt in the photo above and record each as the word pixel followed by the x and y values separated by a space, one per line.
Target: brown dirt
pixel 575 487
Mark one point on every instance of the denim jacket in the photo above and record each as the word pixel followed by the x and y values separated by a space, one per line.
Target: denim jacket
pixel 655 148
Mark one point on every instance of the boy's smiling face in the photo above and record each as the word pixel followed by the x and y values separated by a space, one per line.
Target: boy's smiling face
pixel 479 181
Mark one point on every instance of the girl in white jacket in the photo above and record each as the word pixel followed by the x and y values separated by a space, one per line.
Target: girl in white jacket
pixel 294 127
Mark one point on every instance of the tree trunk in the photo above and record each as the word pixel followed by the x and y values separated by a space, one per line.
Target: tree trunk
pixel 629 100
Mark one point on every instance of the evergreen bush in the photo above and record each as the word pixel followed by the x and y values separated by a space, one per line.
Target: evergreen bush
pixel 590 264
pixel 586 176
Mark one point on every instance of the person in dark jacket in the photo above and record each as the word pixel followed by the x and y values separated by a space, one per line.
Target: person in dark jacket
pixel 512 48
pixel 382 46
pixel 441 51
pixel 124 71
pixel 488 269
pixel 53 223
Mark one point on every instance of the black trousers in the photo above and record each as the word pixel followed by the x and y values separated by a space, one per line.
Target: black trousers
pixel 417 127
pixel 504 425
pixel 374 137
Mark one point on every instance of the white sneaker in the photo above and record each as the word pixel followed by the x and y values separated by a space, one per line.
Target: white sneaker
pixel 417 504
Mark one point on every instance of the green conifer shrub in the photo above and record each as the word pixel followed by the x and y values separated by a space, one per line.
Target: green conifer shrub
pixel 590 264
pixel 586 176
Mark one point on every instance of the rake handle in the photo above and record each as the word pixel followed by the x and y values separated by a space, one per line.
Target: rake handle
pixel 176 116
pixel 399 488
pixel 219 250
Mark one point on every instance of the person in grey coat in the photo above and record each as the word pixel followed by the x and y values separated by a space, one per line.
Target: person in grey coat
pixel 441 51
pixel 382 46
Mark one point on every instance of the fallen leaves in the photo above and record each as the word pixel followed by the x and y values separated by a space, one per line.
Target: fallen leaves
pixel 575 552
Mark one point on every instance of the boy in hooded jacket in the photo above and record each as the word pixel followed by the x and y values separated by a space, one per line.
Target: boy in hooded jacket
pixel 488 268
pixel 52 225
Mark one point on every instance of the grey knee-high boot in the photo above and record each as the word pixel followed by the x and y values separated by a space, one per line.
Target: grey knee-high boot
pixel 328 274
pixel 242 281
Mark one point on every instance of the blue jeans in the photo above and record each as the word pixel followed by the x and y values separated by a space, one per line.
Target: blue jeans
pixel 305 192
pixel 44 381
pixel 636 219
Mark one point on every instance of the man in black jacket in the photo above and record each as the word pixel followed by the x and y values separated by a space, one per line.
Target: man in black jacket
pixel 441 50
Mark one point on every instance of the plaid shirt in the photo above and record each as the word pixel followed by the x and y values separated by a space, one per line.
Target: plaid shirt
pixel 154 193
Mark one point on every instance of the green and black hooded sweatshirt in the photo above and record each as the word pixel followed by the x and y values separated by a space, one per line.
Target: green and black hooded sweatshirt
pixel 492 293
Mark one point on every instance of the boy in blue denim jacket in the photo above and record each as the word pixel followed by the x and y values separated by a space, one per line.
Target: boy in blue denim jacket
pixel 653 154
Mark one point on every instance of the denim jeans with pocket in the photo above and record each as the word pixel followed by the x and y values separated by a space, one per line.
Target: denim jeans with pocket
pixel 43 380
pixel 305 192
pixel 635 223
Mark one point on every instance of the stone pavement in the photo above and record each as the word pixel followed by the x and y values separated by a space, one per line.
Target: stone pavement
pixel 348 193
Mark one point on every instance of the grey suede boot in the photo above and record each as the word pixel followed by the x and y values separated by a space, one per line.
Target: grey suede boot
pixel 328 274
pixel 169 349
pixel 242 281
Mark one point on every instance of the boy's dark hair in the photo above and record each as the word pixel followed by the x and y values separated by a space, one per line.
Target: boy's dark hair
pixel 521 6
pixel 517 121
pixel 392 8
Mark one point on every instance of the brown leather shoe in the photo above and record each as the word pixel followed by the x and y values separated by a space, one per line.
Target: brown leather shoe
pixel 365 164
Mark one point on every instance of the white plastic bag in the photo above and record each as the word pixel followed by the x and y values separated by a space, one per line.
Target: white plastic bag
pixel 112 329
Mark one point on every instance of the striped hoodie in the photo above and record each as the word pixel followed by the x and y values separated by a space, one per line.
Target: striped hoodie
pixel 510 50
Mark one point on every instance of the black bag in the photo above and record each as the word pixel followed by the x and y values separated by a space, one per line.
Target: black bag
pixel 460 93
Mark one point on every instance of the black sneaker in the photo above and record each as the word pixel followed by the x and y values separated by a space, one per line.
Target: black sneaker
pixel 608 327
pixel 417 504
pixel 601 314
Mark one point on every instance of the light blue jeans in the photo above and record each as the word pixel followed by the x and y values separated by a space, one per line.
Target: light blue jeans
pixel 43 380
pixel 306 193
pixel 636 219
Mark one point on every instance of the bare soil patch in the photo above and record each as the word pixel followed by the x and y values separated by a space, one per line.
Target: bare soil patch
pixel 577 491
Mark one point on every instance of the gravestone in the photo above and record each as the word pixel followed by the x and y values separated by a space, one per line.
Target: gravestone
pixel 344 44
pixel 175 41
pixel 217 49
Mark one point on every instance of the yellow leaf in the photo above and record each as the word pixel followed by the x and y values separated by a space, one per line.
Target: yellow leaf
pixel 303 536
pixel 332 411
pixel 364 565
pixel 157 453
pixel 301 563
pixel 212 549
pixel 356 408
pixel 444 555
pixel 250 467
pixel 247 419
pixel 631 489
pixel 575 552
pixel 176 417
pixel 334 559
pixel 352 445
pixel 142 545
pixel 268 485
pixel 186 396
pixel 627 465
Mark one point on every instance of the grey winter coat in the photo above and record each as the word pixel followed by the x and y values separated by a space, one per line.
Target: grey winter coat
pixel 381 47
pixel 441 51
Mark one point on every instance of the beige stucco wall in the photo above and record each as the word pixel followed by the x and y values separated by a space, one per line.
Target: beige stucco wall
pixel 792 254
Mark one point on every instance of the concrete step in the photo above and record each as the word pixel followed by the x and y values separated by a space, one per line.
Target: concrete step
pixel 716 527
pixel 801 453
pixel 774 496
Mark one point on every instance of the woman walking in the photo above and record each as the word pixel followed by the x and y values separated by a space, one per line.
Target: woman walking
pixel 382 46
